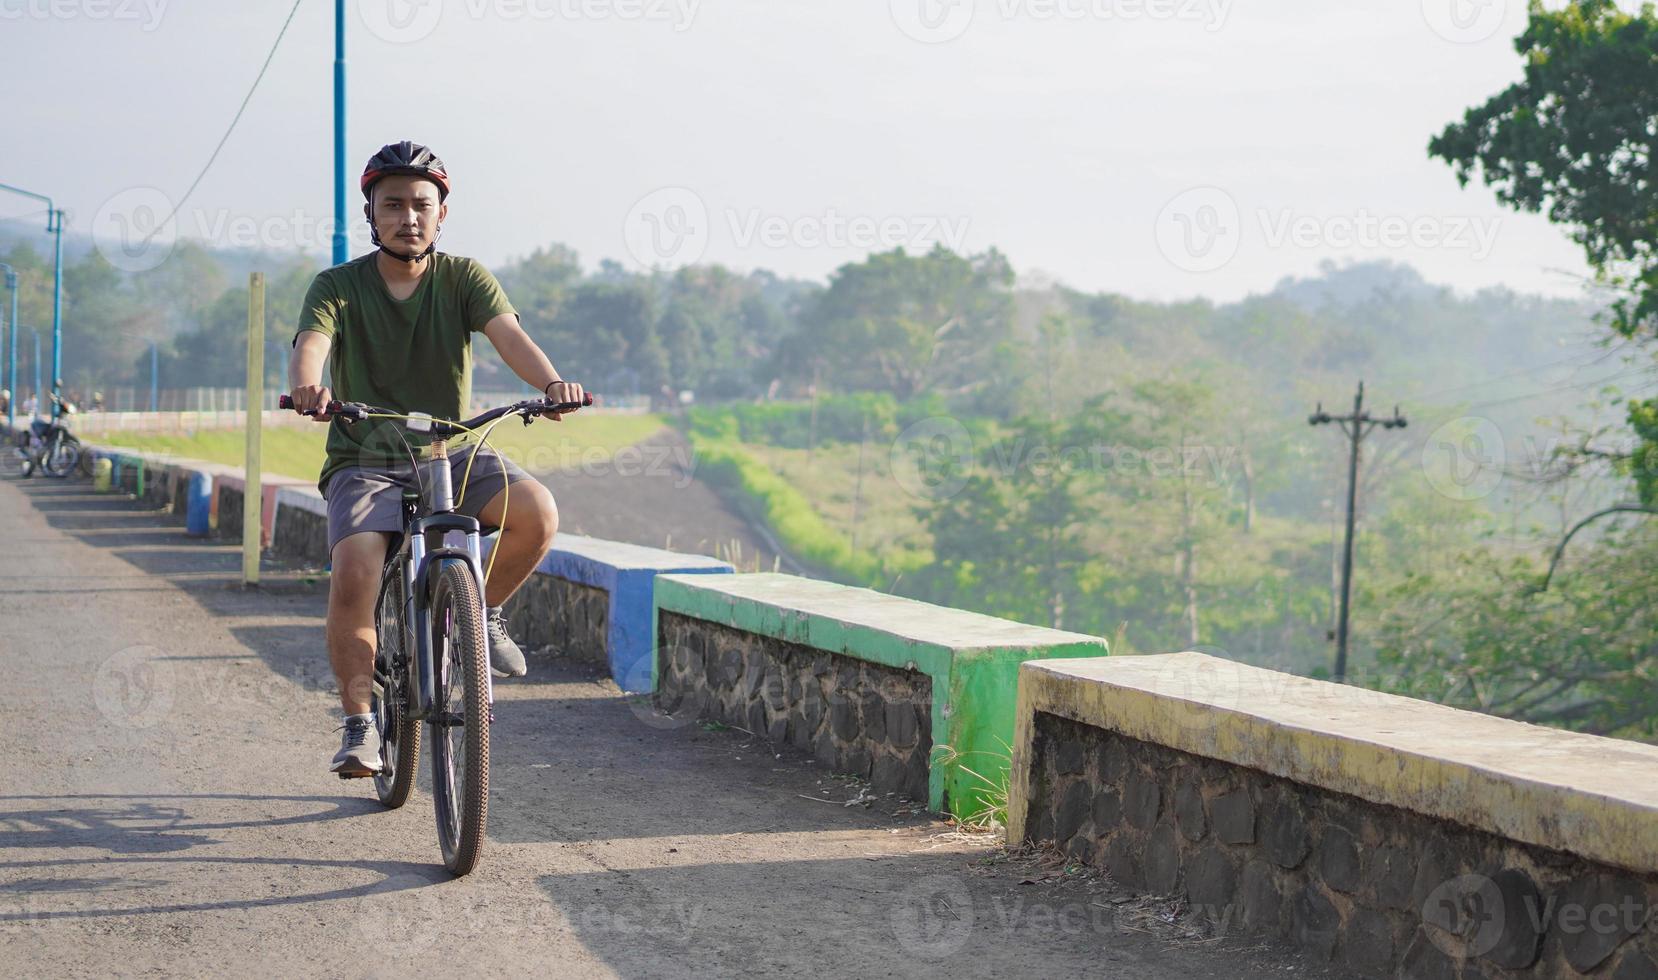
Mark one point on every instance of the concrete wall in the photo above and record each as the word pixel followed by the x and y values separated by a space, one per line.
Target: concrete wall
pixel 866 719
pixel 782 625
pixel 627 575
pixel 1394 837
pixel 567 618
pixel 300 528
pixel 591 600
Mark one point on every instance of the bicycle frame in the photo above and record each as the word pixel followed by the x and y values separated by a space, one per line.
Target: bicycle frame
pixel 421 554
pixel 423 550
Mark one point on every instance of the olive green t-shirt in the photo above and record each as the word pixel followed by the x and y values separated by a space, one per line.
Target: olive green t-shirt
pixel 412 355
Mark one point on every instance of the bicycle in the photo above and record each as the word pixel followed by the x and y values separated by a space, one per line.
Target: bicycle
pixel 431 664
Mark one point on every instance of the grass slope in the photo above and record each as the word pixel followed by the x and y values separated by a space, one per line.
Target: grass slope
pixel 298 452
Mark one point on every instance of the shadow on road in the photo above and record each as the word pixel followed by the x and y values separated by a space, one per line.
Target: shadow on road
pixel 137 829
pixel 395 876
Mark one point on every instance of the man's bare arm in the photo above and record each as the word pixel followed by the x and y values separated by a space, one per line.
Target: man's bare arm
pixel 527 360
pixel 305 373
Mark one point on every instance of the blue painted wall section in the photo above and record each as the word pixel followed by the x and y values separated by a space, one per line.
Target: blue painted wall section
pixel 199 504
pixel 628 574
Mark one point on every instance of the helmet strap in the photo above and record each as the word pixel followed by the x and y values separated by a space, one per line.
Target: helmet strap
pixel 374 233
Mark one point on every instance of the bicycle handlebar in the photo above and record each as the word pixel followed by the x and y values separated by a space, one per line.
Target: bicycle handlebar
pixel 357 411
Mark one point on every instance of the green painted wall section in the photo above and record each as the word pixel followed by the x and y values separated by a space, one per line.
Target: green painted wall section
pixel 974 684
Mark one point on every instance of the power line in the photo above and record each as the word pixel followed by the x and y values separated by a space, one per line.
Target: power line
pixel 1578 360
pixel 1550 391
pixel 232 127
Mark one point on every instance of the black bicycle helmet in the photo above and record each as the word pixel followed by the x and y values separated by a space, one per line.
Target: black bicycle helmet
pixel 408 158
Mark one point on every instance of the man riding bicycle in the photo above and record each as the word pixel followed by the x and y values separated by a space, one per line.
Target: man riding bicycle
pixel 395 329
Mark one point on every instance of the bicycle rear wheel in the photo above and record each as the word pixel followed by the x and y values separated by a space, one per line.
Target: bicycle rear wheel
pixel 399 734
pixel 459 724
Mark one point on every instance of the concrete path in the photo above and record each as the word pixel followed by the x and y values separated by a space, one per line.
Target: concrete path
pixel 165 810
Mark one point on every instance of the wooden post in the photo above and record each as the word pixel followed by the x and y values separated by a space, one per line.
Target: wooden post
pixel 253 487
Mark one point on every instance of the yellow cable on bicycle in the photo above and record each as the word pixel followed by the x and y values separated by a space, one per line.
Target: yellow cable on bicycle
pixel 506 484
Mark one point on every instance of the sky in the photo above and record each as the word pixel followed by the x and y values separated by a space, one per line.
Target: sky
pixel 1162 149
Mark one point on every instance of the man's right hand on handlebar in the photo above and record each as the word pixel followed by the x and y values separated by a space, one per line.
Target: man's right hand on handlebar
pixel 312 398
pixel 562 393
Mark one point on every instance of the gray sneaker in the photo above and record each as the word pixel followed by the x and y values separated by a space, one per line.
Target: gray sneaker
pixel 504 656
pixel 359 753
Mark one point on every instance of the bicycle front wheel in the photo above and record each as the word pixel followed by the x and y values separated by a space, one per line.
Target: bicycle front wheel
pixel 60 457
pixel 458 728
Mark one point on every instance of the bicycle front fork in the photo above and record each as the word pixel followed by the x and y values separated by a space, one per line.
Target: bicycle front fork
pixel 427 665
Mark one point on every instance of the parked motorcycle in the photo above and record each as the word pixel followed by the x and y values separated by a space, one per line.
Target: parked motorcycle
pixel 47 445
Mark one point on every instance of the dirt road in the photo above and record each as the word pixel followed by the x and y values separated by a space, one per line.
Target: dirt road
pixel 646 495
pixel 165 810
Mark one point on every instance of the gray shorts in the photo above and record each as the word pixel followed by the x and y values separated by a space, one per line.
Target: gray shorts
pixel 362 499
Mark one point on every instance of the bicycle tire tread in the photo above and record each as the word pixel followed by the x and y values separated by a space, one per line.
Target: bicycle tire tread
pixel 474 793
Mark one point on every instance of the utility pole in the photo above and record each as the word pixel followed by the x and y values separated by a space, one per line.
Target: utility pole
pixel 54 224
pixel 811 427
pixel 341 245
pixel 39 400
pixel 1356 426
pixel 11 348
pixel 858 485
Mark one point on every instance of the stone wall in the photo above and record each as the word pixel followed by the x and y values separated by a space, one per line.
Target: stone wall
pixel 179 493
pixel 229 511
pixel 570 618
pixel 856 717
pixel 298 533
pixel 129 476
pixel 161 488
pixel 1382 891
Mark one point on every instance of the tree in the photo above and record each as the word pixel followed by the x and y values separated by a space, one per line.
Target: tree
pixel 185 285
pixel 1012 540
pixel 702 329
pixel 907 324
pixel 605 327
pixel 103 329
pixel 1583 655
pixel 1574 139
pixel 212 351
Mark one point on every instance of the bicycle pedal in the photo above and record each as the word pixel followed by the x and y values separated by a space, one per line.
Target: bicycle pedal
pixel 357 775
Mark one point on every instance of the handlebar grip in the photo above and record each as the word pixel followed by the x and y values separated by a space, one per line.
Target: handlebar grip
pixel 586 401
pixel 287 401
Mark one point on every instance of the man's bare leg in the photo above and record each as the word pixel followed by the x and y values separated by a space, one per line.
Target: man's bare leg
pixel 528 520
pixel 353 586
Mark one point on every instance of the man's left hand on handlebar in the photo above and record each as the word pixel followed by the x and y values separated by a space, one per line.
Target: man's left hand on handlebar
pixel 562 392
